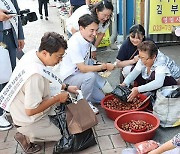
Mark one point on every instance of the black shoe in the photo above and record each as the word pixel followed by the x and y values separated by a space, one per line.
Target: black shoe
pixel 41 17
pixel 46 18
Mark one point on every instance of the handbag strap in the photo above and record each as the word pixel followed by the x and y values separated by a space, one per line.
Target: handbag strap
pixel 90 49
pixel 72 98
pixel 133 54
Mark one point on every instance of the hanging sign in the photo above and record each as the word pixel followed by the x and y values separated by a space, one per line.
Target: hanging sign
pixel 164 14
pixel 138 11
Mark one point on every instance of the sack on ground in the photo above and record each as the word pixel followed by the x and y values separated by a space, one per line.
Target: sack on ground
pixel 5 66
pixel 75 143
pixel 121 92
pixel 70 143
pixel 80 117
pixel 167 109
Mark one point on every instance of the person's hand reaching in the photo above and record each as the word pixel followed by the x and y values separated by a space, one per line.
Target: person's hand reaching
pixel 4 16
pixel 110 66
pixel 62 97
pixel 135 59
pixel 133 94
pixel 73 89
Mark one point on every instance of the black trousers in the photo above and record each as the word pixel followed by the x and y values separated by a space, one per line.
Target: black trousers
pixel 41 3
pixel 169 80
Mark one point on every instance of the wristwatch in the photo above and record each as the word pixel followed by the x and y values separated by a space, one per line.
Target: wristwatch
pixel 66 87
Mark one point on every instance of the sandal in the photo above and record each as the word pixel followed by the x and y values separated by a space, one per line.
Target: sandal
pixel 28 148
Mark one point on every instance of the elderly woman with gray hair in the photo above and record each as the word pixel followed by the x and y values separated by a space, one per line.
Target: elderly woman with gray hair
pixel 152 71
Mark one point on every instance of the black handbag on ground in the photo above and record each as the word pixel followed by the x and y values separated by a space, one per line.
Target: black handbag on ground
pixel 122 92
pixel 70 143
pixel 175 93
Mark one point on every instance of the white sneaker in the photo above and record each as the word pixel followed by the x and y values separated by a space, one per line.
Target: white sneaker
pixel 95 109
pixel 4 124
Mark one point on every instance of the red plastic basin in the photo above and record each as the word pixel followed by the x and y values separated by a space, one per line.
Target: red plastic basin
pixel 135 137
pixel 113 114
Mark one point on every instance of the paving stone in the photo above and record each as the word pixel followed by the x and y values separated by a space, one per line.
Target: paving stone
pixel 104 122
pixel 111 151
pixel 117 141
pixel 19 149
pixel 7 145
pixel 104 132
pixel 49 144
pixel 49 150
pixel 11 134
pixel 129 144
pixel 8 151
pixel 107 120
pixel 49 147
pixel 105 143
pixel 39 27
pixel 3 135
pixel 103 126
pixel 90 150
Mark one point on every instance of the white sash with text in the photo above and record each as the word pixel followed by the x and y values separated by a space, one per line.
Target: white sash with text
pixel 10 91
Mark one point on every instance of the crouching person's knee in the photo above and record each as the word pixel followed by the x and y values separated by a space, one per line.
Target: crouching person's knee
pixel 90 77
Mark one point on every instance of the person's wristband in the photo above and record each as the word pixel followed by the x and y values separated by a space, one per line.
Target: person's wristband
pixel 66 87
pixel 115 64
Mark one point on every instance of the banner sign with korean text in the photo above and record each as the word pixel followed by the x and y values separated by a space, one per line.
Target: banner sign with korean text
pixel 163 15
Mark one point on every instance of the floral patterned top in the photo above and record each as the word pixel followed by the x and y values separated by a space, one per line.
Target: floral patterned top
pixel 176 140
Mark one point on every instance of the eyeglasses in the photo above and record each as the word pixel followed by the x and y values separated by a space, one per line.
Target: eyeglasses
pixel 61 56
pixel 107 16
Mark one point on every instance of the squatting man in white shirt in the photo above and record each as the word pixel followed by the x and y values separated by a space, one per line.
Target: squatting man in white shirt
pixel 76 67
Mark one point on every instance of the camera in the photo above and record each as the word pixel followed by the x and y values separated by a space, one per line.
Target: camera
pixel 26 16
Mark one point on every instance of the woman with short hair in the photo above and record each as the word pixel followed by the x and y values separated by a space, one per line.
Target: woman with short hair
pixel 152 71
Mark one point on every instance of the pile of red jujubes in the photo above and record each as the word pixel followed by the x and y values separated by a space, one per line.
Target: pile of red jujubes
pixel 117 104
pixel 136 126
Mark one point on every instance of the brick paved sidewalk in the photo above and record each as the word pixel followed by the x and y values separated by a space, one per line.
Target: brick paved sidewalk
pixel 108 139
